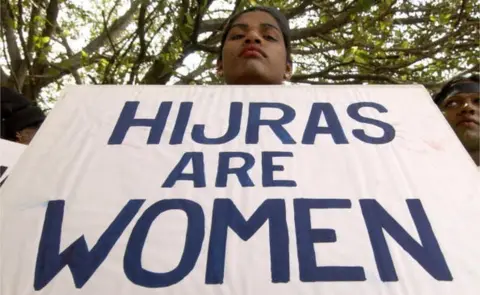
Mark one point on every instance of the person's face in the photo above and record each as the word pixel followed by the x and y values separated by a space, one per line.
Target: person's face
pixel 463 113
pixel 254 51
pixel 26 135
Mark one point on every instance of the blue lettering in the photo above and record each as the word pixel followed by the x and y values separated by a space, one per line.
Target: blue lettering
pixel 181 123
pixel 226 215
pixel 306 237
pixel 268 168
pixel 241 172
pixel 254 122
pixel 3 169
pixel 198 131
pixel 82 263
pixel 127 119
pixel 198 175
pixel 132 262
pixel 334 128
pixel 388 130
pixel 427 254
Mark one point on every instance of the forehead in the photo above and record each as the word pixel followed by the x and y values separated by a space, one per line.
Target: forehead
pixel 463 95
pixel 256 18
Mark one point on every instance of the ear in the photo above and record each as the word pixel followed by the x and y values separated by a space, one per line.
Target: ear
pixel 288 71
pixel 219 68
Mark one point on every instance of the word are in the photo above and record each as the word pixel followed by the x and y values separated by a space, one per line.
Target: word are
pixel 319 110
pixel 84 262
pixel 224 169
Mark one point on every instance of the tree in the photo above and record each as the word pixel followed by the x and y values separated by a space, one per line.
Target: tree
pixel 48 43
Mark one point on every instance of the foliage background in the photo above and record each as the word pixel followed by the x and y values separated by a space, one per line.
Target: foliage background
pixel 46 44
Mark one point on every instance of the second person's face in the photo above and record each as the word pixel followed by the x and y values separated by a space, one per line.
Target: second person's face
pixel 462 111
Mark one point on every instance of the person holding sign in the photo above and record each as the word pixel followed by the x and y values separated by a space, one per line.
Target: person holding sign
pixel 255 48
pixel 459 102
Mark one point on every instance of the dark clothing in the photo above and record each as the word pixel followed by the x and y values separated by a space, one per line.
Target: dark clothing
pixel 17 113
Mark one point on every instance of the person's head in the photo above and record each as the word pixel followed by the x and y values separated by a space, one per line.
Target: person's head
pixel 20 118
pixel 459 102
pixel 255 48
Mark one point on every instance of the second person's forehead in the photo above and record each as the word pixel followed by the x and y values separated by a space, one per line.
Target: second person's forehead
pixel 464 95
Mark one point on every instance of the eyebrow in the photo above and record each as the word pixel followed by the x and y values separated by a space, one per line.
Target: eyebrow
pixel 262 25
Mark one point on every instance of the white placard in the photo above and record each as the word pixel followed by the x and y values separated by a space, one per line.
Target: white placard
pixel 10 152
pixel 242 190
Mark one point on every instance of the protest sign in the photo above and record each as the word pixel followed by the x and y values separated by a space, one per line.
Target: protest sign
pixel 242 190
pixel 9 154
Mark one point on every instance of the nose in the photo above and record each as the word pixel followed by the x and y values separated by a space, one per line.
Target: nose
pixel 468 108
pixel 253 37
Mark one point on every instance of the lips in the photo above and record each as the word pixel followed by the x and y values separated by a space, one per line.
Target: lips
pixel 252 51
pixel 469 122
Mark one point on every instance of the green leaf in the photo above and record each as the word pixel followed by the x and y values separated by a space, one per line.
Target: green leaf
pixel 103 62
pixel 349 56
pixel 433 18
pixel 190 20
pixel 445 18
pixel 45 39
pixel 366 3
pixel 359 60
pixel 363 54
pixel 183 34
pixel 38 19
pixel 383 26
pixel 405 44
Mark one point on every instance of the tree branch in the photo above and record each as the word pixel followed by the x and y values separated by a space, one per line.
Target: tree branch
pixel 338 21
pixel 51 18
pixel 143 45
pixel 160 72
pixel 50 26
pixel 359 77
pixel 300 77
pixel 75 74
pixel 118 26
pixel 12 46
pixel 4 78
pixel 32 27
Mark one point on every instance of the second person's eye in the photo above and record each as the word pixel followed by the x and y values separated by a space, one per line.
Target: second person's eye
pixel 451 104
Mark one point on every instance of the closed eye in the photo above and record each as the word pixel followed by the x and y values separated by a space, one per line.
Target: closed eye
pixel 270 38
pixel 236 37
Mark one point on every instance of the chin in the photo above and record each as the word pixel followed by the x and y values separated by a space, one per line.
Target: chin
pixel 252 79
pixel 471 139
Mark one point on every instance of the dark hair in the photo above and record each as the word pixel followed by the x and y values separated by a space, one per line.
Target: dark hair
pixel 443 93
pixel 276 14
pixel 18 113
